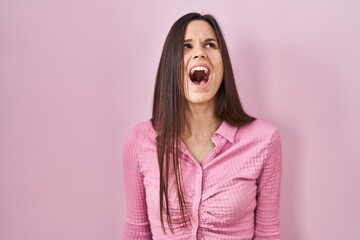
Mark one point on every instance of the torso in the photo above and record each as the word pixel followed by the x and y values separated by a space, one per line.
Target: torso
pixel 221 193
pixel 199 149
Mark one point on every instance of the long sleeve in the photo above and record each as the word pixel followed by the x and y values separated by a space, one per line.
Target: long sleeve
pixel 137 225
pixel 267 219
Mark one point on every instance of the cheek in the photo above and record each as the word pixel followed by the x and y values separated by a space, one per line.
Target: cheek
pixel 219 70
pixel 220 62
pixel 186 60
pixel 186 65
pixel 217 63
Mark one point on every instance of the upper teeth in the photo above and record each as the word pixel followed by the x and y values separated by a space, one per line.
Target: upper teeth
pixel 200 68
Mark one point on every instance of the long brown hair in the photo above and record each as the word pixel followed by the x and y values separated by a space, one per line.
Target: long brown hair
pixel 169 108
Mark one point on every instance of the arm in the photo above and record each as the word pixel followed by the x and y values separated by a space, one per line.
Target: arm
pixel 137 225
pixel 267 216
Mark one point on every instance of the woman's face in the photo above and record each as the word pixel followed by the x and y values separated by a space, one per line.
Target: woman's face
pixel 202 62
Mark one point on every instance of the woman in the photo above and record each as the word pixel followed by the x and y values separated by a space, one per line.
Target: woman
pixel 201 168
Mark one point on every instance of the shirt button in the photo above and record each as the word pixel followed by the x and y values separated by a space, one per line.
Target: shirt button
pixel 217 150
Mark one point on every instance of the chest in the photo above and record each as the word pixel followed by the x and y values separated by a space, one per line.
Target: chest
pixel 224 187
pixel 199 149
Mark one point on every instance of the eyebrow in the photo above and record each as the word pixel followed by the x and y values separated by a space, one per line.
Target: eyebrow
pixel 206 40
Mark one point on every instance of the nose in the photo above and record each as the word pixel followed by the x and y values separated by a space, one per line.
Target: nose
pixel 202 56
pixel 199 53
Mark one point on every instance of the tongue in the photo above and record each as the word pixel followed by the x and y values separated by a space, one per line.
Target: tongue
pixel 203 82
pixel 199 77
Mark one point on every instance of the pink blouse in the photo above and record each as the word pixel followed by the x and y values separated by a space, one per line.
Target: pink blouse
pixel 233 194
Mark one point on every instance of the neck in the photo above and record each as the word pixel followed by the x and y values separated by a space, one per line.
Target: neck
pixel 201 121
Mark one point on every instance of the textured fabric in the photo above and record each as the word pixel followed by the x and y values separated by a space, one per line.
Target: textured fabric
pixel 232 194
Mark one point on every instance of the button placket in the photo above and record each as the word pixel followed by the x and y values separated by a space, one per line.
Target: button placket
pixel 197 191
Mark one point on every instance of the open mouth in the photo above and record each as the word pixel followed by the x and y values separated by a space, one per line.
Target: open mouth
pixel 199 75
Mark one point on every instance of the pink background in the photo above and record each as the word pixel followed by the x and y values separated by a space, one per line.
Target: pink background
pixel 76 75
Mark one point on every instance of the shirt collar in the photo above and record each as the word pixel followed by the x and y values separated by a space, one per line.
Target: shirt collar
pixel 227 131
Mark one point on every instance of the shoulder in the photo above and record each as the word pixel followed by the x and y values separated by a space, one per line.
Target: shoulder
pixel 142 128
pixel 141 133
pixel 259 130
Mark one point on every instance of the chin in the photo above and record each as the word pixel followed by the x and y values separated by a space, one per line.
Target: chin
pixel 199 100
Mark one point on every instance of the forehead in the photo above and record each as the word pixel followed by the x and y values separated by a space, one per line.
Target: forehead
pixel 199 29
